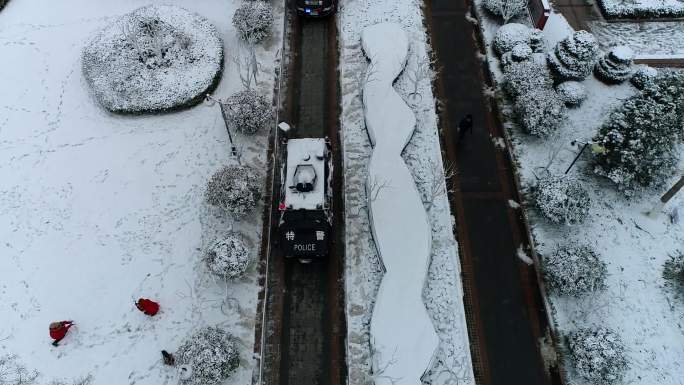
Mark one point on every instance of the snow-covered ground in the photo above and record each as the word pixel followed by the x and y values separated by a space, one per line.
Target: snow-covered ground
pixel 662 39
pixel 632 245
pixel 442 292
pixel 97 209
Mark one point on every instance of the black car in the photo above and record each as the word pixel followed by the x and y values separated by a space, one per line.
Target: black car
pixel 316 8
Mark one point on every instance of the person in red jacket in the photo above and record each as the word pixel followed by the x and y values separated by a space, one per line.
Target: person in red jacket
pixel 147 306
pixel 58 330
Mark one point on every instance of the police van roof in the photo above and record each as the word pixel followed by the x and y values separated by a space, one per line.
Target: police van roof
pixel 305 152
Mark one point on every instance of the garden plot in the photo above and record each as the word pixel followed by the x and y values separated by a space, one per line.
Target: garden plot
pixel 100 209
pixel 630 305
pixel 442 293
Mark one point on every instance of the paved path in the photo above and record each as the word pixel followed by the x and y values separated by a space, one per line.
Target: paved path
pixel 503 303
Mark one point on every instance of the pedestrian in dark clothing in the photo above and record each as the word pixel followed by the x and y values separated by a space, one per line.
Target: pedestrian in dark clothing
pixel 168 358
pixel 147 306
pixel 465 125
pixel 58 330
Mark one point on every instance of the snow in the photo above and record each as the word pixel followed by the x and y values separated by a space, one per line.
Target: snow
pixel 402 236
pixel 153 59
pixel 641 9
pixel 100 209
pixel 522 255
pixel 633 246
pixel 660 39
pixel 306 152
pixel 442 292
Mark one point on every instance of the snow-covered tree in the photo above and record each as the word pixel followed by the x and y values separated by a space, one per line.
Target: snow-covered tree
pixel 644 76
pixel 573 58
pixel 253 21
pixel 562 199
pixel 228 257
pixel 598 355
pixel 574 270
pixel 508 35
pixel 235 189
pixel 211 354
pixel 640 138
pixel 616 65
pixel 507 9
pixel 673 273
pixel 248 111
pixel 572 93
pixel 13 372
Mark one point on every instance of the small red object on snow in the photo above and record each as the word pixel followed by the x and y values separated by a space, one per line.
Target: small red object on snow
pixel 58 330
pixel 147 306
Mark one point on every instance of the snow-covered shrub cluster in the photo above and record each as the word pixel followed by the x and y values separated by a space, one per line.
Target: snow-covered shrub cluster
pixel 253 20
pixel 510 35
pixel 598 355
pixel 507 9
pixel 562 199
pixel 573 58
pixel 248 111
pixel 228 257
pixel 211 354
pixel 537 105
pixel 13 372
pixel 156 58
pixel 235 189
pixel 572 93
pixel 616 65
pixel 640 138
pixel 574 270
pixel 643 76
pixel 673 273
pixel 641 9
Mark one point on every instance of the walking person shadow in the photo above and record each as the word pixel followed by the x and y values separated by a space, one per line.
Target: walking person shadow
pixel 465 126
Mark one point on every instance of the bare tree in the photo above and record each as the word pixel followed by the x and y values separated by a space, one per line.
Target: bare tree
pixel 247 64
pixel 511 8
pixel 435 181
pixel 379 370
pixel 420 71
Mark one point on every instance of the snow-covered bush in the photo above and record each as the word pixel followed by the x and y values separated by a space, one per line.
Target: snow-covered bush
pixel 641 9
pixel 572 93
pixel 573 57
pixel 156 58
pixel 13 372
pixel 562 199
pixel 598 355
pixel 508 35
pixel 616 65
pixel 211 354
pixel 507 9
pixel 253 21
pixel 228 257
pixel 574 270
pixel 644 76
pixel 673 273
pixel 537 41
pixel 640 138
pixel 235 189
pixel 537 106
pixel 248 111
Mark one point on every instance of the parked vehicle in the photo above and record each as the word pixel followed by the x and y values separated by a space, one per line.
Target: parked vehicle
pixel 305 199
pixel 316 8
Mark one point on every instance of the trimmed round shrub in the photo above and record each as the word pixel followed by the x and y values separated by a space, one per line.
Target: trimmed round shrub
pixel 572 93
pixel 615 66
pixel 211 354
pixel 540 113
pixel 506 9
pixel 574 270
pixel 573 58
pixel 235 189
pixel 253 21
pixel 508 35
pixel 673 273
pixel 157 58
pixel 598 355
pixel 526 77
pixel 644 76
pixel 228 257
pixel 562 199
pixel 248 111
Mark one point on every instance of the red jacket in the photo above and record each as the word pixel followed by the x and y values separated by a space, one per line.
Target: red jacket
pixel 58 330
pixel 147 306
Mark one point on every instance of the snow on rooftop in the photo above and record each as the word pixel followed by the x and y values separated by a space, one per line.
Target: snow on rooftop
pixel 301 152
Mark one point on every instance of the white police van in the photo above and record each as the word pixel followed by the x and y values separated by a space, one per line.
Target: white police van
pixel 305 199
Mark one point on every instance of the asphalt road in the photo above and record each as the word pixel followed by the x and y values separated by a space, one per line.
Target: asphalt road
pixel 305 330
pixel 503 303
